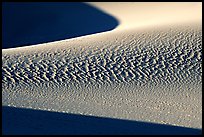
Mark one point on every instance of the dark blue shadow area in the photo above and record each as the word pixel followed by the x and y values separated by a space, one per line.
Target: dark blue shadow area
pixel 27 23
pixel 28 121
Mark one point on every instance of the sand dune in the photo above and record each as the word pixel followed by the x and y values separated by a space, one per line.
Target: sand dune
pixel 88 72
pixel 151 74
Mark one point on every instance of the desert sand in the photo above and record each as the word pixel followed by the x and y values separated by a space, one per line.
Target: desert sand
pixel 149 68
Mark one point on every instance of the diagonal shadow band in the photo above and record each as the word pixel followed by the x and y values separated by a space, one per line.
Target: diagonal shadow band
pixel 29 23
pixel 27 121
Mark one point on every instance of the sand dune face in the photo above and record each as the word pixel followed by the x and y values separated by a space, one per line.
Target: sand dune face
pixel 147 75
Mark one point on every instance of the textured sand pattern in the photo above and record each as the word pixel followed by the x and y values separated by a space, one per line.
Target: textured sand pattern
pixel 150 75
pixel 142 58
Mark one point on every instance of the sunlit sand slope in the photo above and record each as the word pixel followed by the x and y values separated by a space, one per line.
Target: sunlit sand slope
pixel 145 14
pixel 151 74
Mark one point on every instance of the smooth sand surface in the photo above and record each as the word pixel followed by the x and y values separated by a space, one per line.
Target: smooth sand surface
pixel 150 74
pixel 145 14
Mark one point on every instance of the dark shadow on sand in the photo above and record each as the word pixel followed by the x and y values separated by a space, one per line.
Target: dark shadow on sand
pixel 28 23
pixel 28 121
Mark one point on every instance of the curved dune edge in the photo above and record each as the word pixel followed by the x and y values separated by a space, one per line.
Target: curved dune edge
pixel 35 23
pixel 142 15
pixel 149 75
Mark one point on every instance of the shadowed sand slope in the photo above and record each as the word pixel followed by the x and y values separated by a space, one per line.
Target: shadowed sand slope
pixel 18 121
pixel 31 23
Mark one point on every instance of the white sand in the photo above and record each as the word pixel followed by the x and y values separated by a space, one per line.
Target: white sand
pixel 145 14
pixel 148 73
